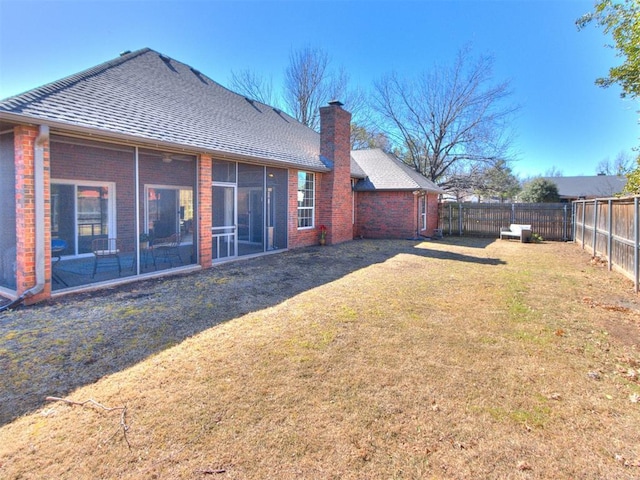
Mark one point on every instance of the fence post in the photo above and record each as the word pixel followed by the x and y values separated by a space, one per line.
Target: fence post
pixel 513 213
pixel 636 234
pixel 450 214
pixel 460 219
pixel 574 212
pixel 584 219
pixel 595 225
pixel 565 227
pixel 610 234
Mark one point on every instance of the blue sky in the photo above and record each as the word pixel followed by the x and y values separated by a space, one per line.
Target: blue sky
pixel 565 121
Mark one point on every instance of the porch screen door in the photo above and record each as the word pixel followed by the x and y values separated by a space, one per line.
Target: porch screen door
pixel 224 230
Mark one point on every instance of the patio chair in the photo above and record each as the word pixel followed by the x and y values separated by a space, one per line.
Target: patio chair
pixel 166 249
pixel 106 249
pixel 58 245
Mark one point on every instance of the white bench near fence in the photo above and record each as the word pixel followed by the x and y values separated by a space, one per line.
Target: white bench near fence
pixel 515 230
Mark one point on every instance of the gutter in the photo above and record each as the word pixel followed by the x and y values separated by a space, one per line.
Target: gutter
pixel 79 131
pixel 38 184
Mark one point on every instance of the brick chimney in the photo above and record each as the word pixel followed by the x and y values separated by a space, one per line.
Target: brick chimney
pixel 335 195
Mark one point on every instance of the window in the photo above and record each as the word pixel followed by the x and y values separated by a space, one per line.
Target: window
pixel 423 212
pixel 306 199
pixel 81 212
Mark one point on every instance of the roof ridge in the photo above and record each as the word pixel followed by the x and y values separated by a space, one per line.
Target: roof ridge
pixel 52 87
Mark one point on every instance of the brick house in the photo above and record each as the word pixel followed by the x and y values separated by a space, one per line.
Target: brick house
pixel 393 200
pixel 179 173
pixel 588 186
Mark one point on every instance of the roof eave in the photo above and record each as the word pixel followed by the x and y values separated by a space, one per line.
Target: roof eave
pixel 400 189
pixel 137 141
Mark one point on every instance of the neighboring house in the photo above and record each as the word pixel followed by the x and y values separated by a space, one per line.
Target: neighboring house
pixel 583 187
pixel 146 147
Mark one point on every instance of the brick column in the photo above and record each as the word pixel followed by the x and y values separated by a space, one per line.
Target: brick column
pixel 334 196
pixel 205 209
pixel 24 144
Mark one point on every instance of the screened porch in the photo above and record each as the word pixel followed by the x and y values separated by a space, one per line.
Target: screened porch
pixel 105 225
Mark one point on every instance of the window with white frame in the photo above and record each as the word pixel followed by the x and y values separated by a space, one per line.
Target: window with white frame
pixel 306 199
pixel 423 211
pixel 82 211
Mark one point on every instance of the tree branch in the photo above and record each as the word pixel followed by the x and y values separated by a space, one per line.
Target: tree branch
pixel 91 401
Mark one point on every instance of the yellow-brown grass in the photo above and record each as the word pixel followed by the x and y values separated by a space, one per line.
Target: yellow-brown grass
pixel 456 359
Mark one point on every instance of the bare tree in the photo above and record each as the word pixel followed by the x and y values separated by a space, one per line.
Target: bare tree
pixel 253 86
pixel 463 181
pixel 554 172
pixel 450 116
pixel 621 165
pixel 309 85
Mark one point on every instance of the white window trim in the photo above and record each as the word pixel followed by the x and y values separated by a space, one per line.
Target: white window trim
pixel 111 206
pixel 312 208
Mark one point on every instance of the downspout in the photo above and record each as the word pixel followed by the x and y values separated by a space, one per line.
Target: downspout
pixel 38 193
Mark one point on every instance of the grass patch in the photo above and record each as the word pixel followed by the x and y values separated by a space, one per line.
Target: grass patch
pixel 455 359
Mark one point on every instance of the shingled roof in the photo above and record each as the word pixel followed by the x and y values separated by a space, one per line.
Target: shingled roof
pixel 385 172
pixel 593 186
pixel 150 97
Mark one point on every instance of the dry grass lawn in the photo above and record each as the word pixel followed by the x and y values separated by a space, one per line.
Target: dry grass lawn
pixel 456 359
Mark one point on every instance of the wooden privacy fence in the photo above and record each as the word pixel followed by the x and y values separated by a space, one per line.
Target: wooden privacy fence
pixel 552 221
pixel 610 228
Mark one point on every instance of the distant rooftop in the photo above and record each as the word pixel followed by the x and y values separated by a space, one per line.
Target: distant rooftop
pixel 589 186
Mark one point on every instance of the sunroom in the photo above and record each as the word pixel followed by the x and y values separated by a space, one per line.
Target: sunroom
pixel 117 211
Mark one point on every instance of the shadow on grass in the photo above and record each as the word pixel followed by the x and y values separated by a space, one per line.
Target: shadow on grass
pixel 457 257
pixel 469 242
pixel 55 347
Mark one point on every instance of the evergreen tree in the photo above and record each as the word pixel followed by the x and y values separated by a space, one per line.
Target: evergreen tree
pixel 540 190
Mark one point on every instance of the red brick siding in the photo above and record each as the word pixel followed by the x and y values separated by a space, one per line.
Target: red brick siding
pixel 204 211
pixel 306 236
pixel 153 171
pixel 383 214
pixel 97 164
pixel 24 143
pixel 334 198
